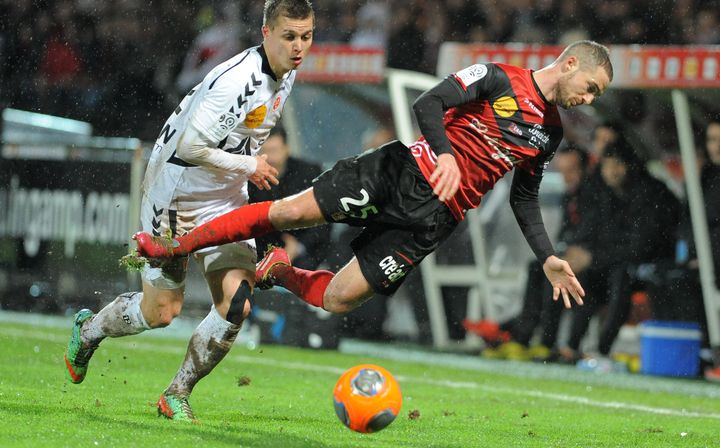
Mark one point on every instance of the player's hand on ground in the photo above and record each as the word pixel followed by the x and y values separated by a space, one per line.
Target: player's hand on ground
pixel 563 281
pixel 446 177
pixel 265 175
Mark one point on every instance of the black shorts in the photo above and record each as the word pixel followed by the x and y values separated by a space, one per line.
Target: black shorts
pixel 384 191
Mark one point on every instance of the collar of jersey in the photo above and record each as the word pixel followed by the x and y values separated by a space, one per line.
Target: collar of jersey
pixel 266 63
pixel 537 87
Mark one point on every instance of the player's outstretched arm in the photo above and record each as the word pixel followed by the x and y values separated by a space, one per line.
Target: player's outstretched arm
pixel 563 281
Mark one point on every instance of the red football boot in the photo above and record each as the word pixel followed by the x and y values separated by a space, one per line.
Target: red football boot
pixel 263 269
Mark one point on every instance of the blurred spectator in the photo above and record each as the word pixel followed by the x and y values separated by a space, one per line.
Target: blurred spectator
pixel 460 17
pixel 632 223
pixel 406 43
pixel 707 27
pixel 218 42
pixel 710 179
pixel 335 22
pixel 603 135
pixel 373 19
pixel 685 294
pixel 711 194
pixel 60 71
pixel 307 248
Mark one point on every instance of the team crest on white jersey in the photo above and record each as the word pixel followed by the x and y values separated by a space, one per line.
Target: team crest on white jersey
pixel 256 117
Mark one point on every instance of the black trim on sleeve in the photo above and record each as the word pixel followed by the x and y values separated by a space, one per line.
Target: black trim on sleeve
pixel 430 108
pixel 526 207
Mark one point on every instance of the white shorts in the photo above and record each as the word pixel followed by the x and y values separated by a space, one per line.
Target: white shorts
pixel 158 218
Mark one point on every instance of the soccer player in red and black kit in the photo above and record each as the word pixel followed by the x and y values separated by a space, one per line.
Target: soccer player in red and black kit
pixel 477 125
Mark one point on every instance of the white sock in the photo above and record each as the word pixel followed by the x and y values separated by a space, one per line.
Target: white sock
pixel 209 344
pixel 121 317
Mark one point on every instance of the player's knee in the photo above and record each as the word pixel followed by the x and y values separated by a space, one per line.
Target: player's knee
pixel 341 297
pixel 339 304
pixel 286 212
pixel 164 312
pixel 240 304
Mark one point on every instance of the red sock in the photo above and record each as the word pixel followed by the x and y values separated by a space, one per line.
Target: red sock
pixel 310 286
pixel 246 222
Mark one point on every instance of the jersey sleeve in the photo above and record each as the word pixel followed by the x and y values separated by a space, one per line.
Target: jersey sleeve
pixel 463 87
pixel 525 204
pixel 480 80
pixel 223 106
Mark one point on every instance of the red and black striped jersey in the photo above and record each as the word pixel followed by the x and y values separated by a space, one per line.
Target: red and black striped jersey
pixel 496 120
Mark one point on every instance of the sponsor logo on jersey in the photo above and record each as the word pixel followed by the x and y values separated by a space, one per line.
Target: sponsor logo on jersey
pixel 505 106
pixel 276 103
pixel 515 129
pixel 534 108
pixel 538 136
pixel 256 117
pixel 502 152
pixel 471 74
pixel 392 269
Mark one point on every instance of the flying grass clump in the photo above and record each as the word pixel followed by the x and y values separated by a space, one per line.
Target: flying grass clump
pixel 135 262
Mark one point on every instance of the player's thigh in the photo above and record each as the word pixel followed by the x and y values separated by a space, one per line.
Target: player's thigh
pixel 348 289
pixel 355 190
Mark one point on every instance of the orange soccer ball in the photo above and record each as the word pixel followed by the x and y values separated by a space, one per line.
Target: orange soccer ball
pixel 367 398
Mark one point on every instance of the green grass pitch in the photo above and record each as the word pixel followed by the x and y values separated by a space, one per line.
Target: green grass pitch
pixel 288 403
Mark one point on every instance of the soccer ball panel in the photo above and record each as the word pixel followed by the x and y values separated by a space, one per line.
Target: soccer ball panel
pixel 367 398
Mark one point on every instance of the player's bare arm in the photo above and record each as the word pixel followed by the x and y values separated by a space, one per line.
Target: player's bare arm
pixel 563 281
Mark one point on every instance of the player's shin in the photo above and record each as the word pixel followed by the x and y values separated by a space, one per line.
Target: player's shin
pixel 121 317
pixel 209 344
pixel 310 286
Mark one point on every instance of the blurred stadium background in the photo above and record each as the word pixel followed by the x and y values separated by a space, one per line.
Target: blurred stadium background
pixel 86 86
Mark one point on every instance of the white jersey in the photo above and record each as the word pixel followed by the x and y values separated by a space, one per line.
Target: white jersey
pixel 235 107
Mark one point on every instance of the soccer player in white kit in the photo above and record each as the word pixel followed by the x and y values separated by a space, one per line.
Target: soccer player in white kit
pixel 206 153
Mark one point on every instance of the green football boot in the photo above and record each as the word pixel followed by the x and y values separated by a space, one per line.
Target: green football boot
pixel 78 354
pixel 175 407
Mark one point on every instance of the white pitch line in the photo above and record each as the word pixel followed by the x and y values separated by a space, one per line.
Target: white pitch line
pixel 440 383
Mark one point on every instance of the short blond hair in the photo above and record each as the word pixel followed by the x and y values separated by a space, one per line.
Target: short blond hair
pixel 590 54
